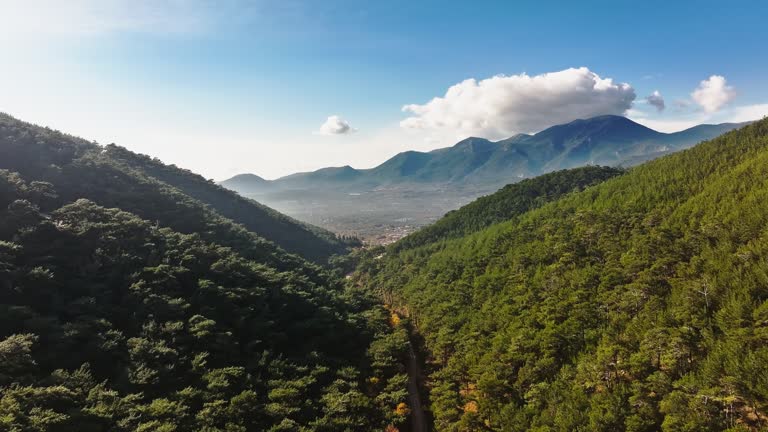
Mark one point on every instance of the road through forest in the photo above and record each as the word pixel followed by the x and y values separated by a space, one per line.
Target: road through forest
pixel 412 366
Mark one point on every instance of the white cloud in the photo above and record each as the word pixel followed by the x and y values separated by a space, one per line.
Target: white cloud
pixel 655 99
pixel 335 125
pixel 502 106
pixel 713 93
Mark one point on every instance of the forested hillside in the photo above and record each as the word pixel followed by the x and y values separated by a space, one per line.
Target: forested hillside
pixel 638 304
pixel 127 305
pixel 510 201
pixel 115 177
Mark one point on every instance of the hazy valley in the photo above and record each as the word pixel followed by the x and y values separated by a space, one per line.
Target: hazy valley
pixel 414 189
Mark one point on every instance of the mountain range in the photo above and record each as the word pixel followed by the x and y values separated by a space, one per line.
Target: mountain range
pixel 481 163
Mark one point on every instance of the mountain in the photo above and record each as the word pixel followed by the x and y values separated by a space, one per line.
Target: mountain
pixel 477 162
pixel 703 132
pixel 414 189
pixel 182 200
pixel 138 296
pixel 248 183
pixel 345 174
pixel 636 304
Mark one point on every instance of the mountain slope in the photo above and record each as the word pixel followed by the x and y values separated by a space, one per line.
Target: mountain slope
pixel 110 323
pixel 183 200
pixel 637 304
pixel 309 241
pixel 324 176
pixel 248 183
pixel 510 201
pixel 701 133
pixel 604 140
pixel 128 305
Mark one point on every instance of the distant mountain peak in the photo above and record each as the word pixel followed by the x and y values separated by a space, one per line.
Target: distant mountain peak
pixel 608 120
pixel 248 177
pixel 346 169
pixel 514 139
pixel 339 168
pixel 474 144
pixel 603 140
pixel 518 136
pixel 605 118
pixel 605 128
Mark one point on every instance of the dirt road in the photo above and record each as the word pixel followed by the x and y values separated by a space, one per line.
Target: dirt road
pixel 418 418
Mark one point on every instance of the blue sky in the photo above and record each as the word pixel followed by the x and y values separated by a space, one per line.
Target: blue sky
pixel 248 86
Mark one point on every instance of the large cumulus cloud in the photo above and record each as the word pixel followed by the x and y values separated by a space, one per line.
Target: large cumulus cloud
pixel 503 105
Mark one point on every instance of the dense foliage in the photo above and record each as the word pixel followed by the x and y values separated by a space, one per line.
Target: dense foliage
pixel 142 309
pixel 638 304
pixel 115 177
pixel 508 202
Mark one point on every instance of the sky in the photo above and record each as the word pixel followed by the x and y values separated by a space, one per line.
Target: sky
pixel 273 87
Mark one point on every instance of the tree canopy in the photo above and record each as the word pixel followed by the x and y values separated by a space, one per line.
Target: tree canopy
pixel 510 201
pixel 128 305
pixel 115 177
pixel 636 304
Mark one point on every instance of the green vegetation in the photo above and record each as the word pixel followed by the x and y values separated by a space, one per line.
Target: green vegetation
pixel 170 196
pixel 508 202
pixel 136 296
pixel 638 304
pixel 128 305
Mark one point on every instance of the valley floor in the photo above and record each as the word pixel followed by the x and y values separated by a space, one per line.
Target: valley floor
pixel 377 217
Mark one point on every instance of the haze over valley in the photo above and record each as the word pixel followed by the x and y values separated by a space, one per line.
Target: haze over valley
pixel 414 189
